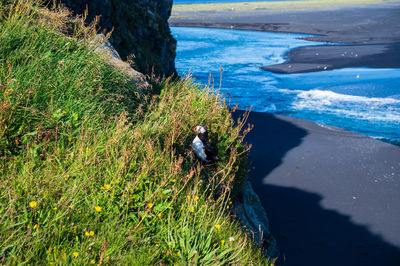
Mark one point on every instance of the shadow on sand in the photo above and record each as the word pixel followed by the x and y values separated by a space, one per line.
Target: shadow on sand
pixel 306 233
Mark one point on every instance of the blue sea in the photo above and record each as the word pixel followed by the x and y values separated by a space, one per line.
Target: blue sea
pixel 363 100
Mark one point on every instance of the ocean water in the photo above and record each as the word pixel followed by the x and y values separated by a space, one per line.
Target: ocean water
pixel 363 100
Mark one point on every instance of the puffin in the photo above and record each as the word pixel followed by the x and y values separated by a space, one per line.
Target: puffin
pixel 202 147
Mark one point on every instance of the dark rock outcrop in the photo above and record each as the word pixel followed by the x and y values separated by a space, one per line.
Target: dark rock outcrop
pixel 111 56
pixel 251 214
pixel 140 29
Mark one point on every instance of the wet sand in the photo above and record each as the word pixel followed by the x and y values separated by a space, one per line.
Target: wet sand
pixel 366 35
pixel 331 196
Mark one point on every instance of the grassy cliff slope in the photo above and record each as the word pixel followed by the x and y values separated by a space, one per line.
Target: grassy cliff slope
pixel 95 171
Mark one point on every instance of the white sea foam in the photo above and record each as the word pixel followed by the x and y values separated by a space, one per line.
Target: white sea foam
pixel 360 107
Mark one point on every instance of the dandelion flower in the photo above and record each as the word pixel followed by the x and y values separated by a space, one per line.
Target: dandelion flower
pixel 178 253
pixel 231 239
pixel 91 233
pixel 64 112
pixel 157 245
pixel 150 205
pixel 192 209
pixel 92 261
pixel 102 188
pixel 33 204
pixel 98 208
pixel 76 254
pixel 222 242
pixel 218 226
pixel 107 186
pixel 174 180
pixel 87 234
pixel 188 197
pixel 55 208
pixel 196 198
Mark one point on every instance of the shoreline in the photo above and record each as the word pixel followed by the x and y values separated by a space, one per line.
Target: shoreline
pixel 374 41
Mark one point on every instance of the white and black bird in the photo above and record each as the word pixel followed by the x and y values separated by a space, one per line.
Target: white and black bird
pixel 202 147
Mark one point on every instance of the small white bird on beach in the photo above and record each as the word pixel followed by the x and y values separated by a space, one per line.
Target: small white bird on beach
pixel 202 147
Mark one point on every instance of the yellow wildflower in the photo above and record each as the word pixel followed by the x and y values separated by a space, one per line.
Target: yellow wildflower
pixel 188 197
pixel 64 112
pixel 55 208
pixel 91 233
pixel 192 209
pixel 174 180
pixel 102 188
pixel 222 242
pixel 157 245
pixel 150 205
pixel 86 233
pixel 33 204
pixel 88 149
pixel 92 261
pixel 159 215
pixel 178 253
pixel 107 186
pixel 35 226
pixel 227 207
pixel 196 198
pixel 98 208
pixel 76 254
pixel 63 226
pixel 218 226
pixel 170 243
pixel 71 207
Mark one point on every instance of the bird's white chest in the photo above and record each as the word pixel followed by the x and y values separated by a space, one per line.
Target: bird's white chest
pixel 198 148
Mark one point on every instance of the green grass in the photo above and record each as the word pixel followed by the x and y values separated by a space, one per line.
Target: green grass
pixel 94 171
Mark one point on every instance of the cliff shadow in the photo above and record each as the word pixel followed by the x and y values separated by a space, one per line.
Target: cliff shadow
pixel 306 233
pixel 271 138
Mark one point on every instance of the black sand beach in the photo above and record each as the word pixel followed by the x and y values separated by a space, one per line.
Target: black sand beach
pixel 369 35
pixel 332 196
